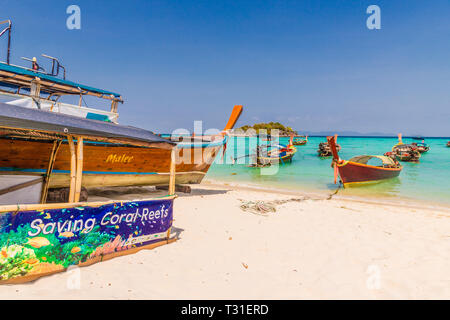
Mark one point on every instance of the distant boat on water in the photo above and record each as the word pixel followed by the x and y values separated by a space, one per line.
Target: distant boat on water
pixel 300 141
pixel 404 152
pixel 325 148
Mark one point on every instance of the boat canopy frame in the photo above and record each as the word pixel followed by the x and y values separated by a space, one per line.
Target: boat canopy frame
pixel 364 159
pixel 27 82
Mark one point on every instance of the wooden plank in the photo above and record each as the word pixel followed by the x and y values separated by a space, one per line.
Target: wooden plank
pixel 34 154
pixel 21 186
pixel 79 172
pixel 49 206
pixel 73 169
pixel 172 172
pixel 51 163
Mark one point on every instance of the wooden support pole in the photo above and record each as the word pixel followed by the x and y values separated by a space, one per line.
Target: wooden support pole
pixel 114 106
pixel 79 173
pixel 172 182
pixel 51 163
pixel 35 90
pixel 73 169
pixel 172 172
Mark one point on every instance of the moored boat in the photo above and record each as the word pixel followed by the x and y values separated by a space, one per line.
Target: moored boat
pixel 325 149
pixel 106 164
pixel 404 152
pixel 358 170
pixel 300 141
pixel 275 154
pixel 422 147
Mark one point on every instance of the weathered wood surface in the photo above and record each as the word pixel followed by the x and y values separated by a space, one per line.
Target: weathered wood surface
pixel 139 165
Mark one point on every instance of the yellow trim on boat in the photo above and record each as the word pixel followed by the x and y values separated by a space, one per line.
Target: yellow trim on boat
pixel 367 165
pixel 349 184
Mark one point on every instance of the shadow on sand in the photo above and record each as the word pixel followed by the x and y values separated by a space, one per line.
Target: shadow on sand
pixel 132 193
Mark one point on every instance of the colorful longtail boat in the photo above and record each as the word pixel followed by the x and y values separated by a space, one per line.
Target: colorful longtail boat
pixel 404 152
pixel 357 170
pixel 276 154
pixel 300 141
pixel 106 164
pixel 422 147
pixel 324 150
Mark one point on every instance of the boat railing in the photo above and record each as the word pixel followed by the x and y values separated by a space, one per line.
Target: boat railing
pixel 56 67
pixel 38 84
pixel 7 29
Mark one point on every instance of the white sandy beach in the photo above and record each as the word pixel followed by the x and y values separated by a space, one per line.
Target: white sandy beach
pixel 308 249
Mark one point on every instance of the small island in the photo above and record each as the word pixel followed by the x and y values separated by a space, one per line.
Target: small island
pixel 266 128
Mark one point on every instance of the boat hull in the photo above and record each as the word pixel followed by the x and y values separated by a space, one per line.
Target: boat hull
pixel 273 160
pixel 107 164
pixel 354 173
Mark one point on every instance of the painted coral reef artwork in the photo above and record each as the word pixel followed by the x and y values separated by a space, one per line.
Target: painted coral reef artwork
pixel 38 242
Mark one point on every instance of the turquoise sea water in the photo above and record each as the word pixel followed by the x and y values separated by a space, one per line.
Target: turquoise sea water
pixel 428 180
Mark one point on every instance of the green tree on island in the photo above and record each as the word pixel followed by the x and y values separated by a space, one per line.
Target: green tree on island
pixel 268 127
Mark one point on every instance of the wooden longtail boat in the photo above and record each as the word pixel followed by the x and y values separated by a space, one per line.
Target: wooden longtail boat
pixel 422 147
pixel 404 152
pixel 73 233
pixel 324 150
pixel 275 154
pixel 448 144
pixel 357 170
pixel 107 164
pixel 300 141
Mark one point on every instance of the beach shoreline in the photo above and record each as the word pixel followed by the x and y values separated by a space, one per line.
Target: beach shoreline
pixel 322 194
pixel 310 248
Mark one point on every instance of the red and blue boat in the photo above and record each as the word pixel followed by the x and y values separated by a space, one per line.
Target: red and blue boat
pixel 357 170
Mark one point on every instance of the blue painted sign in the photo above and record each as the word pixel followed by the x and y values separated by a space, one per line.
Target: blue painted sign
pixel 33 242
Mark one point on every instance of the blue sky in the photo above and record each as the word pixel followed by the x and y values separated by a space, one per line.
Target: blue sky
pixel 312 65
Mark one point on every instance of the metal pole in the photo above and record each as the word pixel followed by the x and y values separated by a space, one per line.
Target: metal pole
pixel 9 42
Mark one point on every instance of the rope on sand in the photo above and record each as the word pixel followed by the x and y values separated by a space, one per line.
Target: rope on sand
pixel 263 208
pixel 335 193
